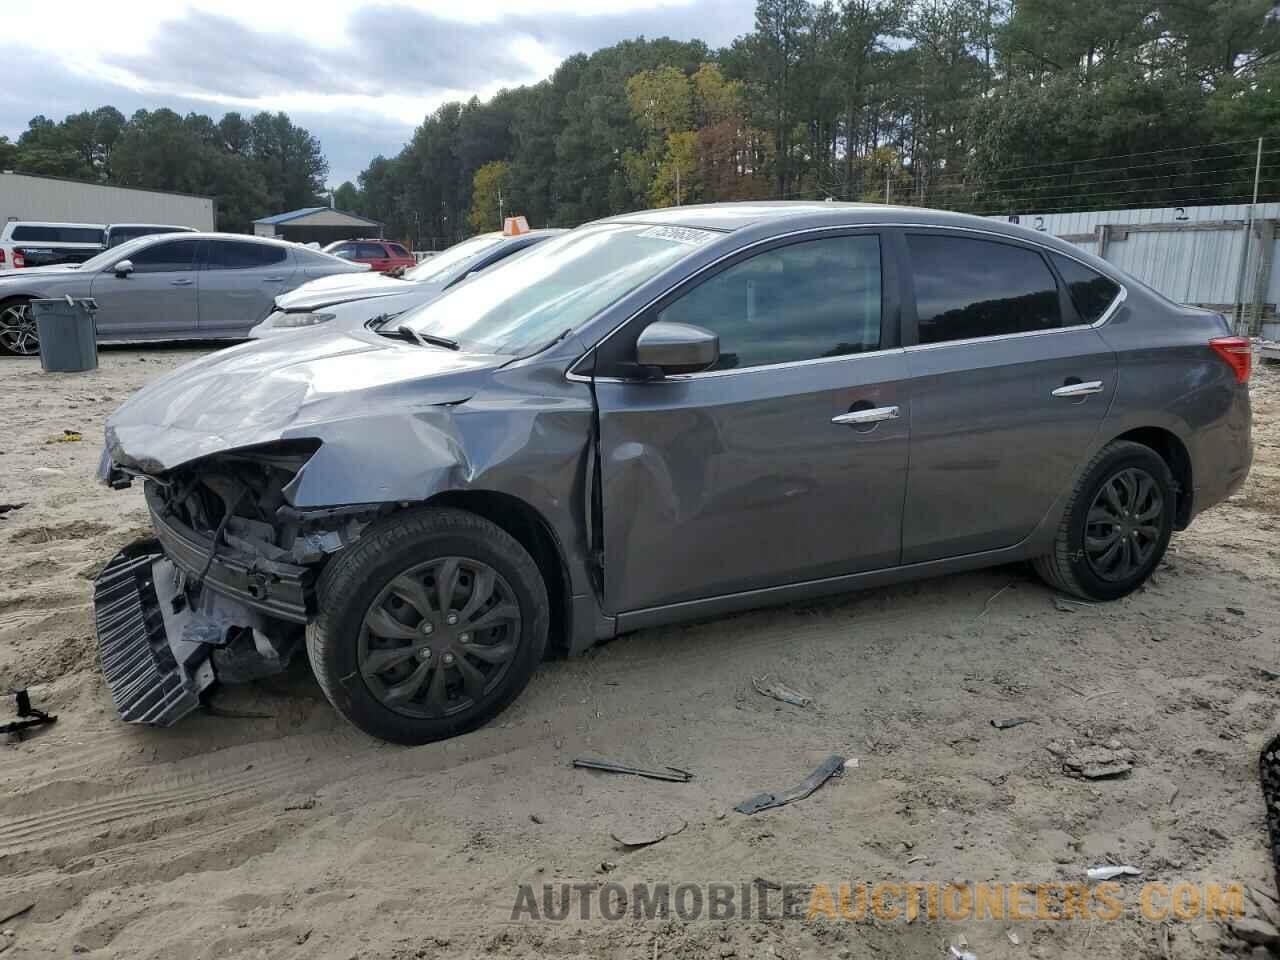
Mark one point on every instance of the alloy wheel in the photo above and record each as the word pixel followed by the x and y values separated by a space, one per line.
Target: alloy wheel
pixel 439 637
pixel 1123 528
pixel 18 330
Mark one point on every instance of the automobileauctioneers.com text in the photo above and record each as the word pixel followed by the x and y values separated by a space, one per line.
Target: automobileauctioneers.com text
pixel 885 901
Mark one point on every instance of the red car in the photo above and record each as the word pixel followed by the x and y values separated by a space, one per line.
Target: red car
pixel 382 255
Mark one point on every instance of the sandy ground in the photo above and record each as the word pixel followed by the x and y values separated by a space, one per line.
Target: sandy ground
pixel 290 835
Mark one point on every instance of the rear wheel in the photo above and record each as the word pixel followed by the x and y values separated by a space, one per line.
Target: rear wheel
pixel 18 329
pixel 429 626
pixel 1117 525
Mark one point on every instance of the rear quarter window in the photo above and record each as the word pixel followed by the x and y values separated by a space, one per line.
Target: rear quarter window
pixel 1091 292
pixel 398 250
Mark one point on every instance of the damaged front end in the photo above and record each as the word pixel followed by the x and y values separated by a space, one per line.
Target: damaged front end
pixel 224 591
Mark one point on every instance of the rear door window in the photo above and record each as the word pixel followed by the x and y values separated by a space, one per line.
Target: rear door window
pixel 399 251
pixel 968 288
pixel 371 251
pixel 816 298
pixel 174 256
pixel 238 255
pixel 1091 292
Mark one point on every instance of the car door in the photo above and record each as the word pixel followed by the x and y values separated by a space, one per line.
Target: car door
pixel 747 476
pixel 156 299
pixel 239 282
pixel 375 255
pixel 1008 388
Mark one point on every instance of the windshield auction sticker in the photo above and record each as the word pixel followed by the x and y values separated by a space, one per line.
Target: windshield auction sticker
pixel 680 235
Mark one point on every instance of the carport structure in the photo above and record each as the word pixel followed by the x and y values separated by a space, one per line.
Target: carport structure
pixel 322 225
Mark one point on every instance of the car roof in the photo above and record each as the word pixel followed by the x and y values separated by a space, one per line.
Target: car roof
pixel 149 226
pixel 55 223
pixel 211 235
pixel 781 215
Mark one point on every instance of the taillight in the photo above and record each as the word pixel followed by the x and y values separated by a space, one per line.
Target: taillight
pixel 1 254
pixel 19 259
pixel 1238 352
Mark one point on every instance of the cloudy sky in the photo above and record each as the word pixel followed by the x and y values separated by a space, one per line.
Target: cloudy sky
pixel 360 75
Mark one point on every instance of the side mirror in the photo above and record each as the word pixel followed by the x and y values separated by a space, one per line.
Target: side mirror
pixel 124 268
pixel 677 347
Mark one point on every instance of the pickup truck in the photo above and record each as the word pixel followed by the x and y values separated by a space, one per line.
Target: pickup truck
pixel 26 243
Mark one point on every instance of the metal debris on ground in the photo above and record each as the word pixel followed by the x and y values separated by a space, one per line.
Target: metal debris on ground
pixel 959 954
pixel 830 767
pixel 1269 769
pixel 674 774
pixel 1111 872
pixel 1011 722
pixel 645 833
pixel 28 716
pixel 1069 606
pixel 780 691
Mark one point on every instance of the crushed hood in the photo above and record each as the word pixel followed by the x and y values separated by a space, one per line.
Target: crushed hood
pixel 340 288
pixel 304 386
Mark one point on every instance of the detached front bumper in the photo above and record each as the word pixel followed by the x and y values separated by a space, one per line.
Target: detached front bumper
pixel 173 616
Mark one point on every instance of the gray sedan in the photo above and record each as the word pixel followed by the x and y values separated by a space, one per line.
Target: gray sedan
pixel 664 416
pixel 198 285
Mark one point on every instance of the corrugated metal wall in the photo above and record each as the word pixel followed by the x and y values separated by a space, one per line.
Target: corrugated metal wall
pixel 25 197
pixel 1187 265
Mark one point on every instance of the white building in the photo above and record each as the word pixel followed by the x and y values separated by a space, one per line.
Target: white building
pixel 25 196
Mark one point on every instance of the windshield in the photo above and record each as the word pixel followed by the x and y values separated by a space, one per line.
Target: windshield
pixel 114 254
pixel 445 266
pixel 554 286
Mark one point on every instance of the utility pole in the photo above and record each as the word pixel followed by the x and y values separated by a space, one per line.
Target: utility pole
pixel 677 183
pixel 886 182
pixel 1244 253
pixel 499 208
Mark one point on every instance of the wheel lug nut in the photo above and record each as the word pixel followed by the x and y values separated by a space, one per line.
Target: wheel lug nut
pixel 464 638
pixel 448 659
pixel 451 619
pixel 425 653
pixel 428 629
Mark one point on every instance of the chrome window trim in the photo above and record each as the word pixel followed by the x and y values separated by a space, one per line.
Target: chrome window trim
pixel 572 375
pixel 1115 305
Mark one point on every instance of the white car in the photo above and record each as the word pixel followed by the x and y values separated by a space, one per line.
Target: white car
pixel 342 302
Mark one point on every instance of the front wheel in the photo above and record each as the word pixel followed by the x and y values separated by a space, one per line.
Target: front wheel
pixel 1117 525
pixel 18 329
pixel 429 626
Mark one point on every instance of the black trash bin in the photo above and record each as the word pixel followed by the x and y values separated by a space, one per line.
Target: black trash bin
pixel 68 334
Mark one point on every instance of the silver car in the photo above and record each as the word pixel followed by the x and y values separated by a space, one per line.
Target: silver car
pixel 164 287
pixel 659 417
pixel 352 301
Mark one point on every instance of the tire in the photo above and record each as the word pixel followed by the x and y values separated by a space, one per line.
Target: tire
pixel 406 675
pixel 1082 562
pixel 17 329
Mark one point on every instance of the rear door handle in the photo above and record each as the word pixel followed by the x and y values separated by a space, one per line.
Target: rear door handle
pixel 181 283
pixel 873 415
pixel 1079 389
pixel 273 279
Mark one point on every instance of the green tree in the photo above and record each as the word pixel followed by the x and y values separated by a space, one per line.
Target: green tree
pixel 347 197
pixel 490 196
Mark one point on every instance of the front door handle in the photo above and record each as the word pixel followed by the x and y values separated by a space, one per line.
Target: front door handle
pixel 273 280
pixel 1079 389
pixel 181 283
pixel 872 415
